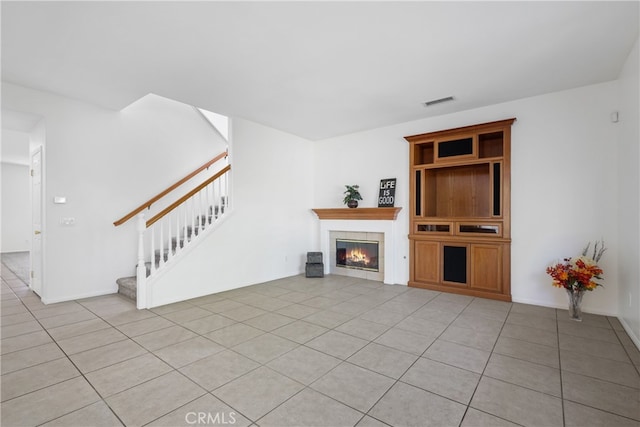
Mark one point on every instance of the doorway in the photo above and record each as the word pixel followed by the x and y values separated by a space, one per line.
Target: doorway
pixel 23 182
pixel 35 282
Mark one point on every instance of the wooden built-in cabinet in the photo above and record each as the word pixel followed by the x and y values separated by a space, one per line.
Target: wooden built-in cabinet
pixel 460 206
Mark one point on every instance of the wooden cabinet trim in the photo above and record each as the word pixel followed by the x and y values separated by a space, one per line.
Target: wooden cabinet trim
pixel 430 136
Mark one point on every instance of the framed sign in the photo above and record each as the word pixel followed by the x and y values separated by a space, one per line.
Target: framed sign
pixel 387 194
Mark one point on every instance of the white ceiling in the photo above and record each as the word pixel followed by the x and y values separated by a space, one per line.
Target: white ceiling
pixel 315 69
pixel 19 121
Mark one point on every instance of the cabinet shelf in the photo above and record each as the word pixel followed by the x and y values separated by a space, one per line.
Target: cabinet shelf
pixel 460 210
pixel 479 161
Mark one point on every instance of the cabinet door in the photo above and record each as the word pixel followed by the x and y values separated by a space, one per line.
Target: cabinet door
pixel 486 267
pixel 455 263
pixel 426 261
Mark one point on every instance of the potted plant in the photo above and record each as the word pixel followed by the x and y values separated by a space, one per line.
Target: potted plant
pixel 352 195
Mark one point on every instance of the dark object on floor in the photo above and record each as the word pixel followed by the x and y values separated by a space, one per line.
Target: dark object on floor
pixel 315 266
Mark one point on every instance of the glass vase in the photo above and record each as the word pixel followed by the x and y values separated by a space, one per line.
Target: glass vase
pixel 575 304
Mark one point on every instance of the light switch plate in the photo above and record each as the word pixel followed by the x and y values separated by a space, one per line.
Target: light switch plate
pixel 67 221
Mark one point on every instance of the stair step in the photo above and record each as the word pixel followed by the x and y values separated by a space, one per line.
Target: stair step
pixel 165 252
pixel 127 287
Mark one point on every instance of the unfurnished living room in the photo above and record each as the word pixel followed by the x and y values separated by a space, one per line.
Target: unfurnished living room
pixel 320 213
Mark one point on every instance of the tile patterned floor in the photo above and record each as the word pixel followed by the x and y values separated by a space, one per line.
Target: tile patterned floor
pixel 334 351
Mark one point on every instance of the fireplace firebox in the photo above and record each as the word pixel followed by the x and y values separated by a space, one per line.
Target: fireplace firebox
pixel 357 254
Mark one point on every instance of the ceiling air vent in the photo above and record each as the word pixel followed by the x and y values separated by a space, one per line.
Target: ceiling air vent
pixel 438 101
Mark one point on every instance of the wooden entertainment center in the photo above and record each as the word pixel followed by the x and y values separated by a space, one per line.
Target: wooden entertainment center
pixel 460 206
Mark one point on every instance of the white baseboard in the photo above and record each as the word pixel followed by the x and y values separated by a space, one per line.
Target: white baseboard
pixel 561 306
pixel 109 291
pixel 629 331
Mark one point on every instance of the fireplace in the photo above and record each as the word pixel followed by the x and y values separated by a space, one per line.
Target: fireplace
pixel 357 254
pixel 368 224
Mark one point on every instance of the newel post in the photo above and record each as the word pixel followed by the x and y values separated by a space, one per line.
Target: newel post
pixel 141 269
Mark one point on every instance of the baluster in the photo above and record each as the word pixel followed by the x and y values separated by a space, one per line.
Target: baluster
pixel 169 236
pixel 178 248
pixel 208 203
pixel 174 236
pixel 214 200
pixel 187 221
pixel 203 204
pixel 224 190
pixel 196 219
pixel 200 222
pixel 192 215
pixel 161 224
pixel 218 197
pixel 198 206
pixel 215 196
pixel 220 183
pixel 205 213
pixel 176 222
pixel 153 249
pixel 185 225
pixel 141 269
pixel 177 219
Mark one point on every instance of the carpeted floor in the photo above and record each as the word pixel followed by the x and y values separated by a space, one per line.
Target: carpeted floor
pixel 18 263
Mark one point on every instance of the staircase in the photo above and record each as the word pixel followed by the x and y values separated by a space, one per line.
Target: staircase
pixel 171 233
pixel 127 286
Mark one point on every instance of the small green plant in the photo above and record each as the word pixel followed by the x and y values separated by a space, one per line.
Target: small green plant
pixel 351 193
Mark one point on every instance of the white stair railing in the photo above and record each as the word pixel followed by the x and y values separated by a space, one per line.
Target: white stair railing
pixel 176 228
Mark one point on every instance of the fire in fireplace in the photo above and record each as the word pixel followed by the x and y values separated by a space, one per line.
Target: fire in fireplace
pixel 357 254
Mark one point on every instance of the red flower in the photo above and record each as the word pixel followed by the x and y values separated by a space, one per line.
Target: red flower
pixel 575 273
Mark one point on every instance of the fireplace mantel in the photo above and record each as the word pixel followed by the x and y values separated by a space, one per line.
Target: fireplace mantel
pixel 358 213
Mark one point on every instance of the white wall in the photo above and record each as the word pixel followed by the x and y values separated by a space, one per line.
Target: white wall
pixel 629 195
pixel 564 190
pixel 364 159
pixel 15 147
pixel 105 163
pixel 16 208
pixel 15 235
pixel 564 158
pixel 16 204
pixel 271 225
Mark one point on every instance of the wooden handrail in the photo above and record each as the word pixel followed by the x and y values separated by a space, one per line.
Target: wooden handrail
pixel 163 193
pixel 182 199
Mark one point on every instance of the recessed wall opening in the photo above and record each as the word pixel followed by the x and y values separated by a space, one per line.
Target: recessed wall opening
pixel 357 254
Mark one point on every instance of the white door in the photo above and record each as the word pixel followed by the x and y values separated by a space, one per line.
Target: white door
pixel 36 220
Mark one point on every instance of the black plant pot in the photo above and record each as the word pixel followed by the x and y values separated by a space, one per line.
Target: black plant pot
pixel 352 203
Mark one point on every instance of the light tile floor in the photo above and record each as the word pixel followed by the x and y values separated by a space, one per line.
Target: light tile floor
pixel 335 351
